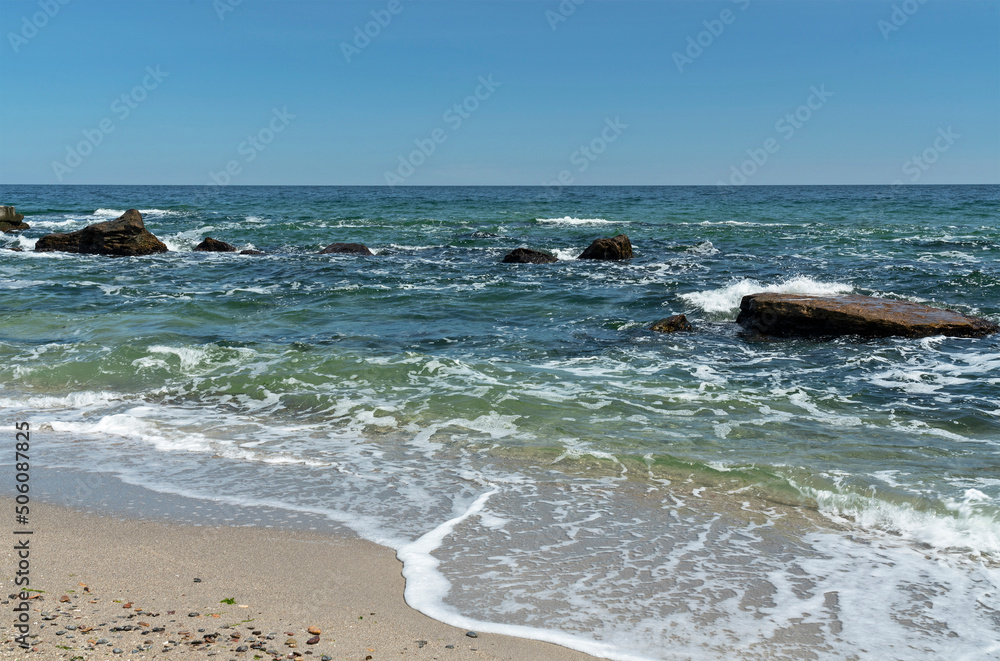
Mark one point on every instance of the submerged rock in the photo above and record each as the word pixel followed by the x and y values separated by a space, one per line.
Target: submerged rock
pixel 613 249
pixel 674 324
pixel 11 221
pixel 252 252
pixel 867 316
pixel 346 248
pixel 214 245
pixel 527 256
pixel 124 236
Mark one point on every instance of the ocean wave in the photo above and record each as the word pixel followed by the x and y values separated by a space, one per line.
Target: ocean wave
pixel 970 523
pixel 569 220
pixel 186 241
pixel 115 213
pixel 66 225
pixel 703 248
pixel 727 299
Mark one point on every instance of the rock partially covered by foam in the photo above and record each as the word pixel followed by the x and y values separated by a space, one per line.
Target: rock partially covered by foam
pixel 124 236
pixel 867 316
pixel 613 249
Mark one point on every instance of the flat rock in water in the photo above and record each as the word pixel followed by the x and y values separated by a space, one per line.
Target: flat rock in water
pixel 528 256
pixel 346 248
pixel 252 252
pixel 674 324
pixel 867 316
pixel 214 245
pixel 613 249
pixel 124 236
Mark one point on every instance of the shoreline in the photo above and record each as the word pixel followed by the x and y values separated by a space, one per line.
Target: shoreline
pixel 281 581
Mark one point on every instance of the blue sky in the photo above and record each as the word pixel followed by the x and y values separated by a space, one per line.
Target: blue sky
pixel 500 92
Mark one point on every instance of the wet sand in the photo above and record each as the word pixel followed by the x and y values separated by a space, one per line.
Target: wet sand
pixel 135 589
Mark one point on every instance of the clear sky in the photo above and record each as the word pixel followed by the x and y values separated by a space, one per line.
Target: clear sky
pixel 499 92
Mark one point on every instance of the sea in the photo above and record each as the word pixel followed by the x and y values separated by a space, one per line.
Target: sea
pixel 541 462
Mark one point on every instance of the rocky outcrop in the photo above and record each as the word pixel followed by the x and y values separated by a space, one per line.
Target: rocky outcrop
pixel 124 236
pixel 11 221
pixel 613 249
pixel 252 252
pixel 214 245
pixel 797 314
pixel 346 248
pixel 527 256
pixel 674 324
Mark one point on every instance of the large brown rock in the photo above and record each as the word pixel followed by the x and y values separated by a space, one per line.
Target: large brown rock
pixel 528 256
pixel 612 249
pixel 11 221
pixel 797 314
pixel 349 248
pixel 124 236
pixel 214 245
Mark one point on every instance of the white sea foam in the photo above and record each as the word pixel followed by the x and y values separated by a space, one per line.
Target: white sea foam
pixel 703 248
pixel 21 284
pixel 188 239
pixel 427 589
pixel 74 401
pixel 972 527
pixel 727 299
pixel 566 253
pixel 115 213
pixel 66 225
pixel 569 220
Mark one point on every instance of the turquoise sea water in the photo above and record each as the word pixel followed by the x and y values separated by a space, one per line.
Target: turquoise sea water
pixel 542 463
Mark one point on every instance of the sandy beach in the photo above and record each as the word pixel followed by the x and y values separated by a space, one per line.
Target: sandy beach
pixel 133 589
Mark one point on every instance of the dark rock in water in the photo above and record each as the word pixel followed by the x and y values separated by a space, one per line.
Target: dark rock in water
pixel 350 248
pixel 16 249
pixel 612 249
pixel 252 252
pixel 673 324
pixel 214 245
pixel 123 236
pixel 526 256
pixel 11 221
pixel 867 316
